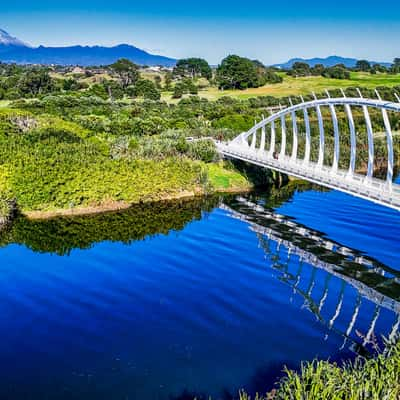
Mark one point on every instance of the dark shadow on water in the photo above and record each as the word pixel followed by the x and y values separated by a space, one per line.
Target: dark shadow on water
pixel 189 395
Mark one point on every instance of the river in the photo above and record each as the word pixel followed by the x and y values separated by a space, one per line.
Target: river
pixel 201 298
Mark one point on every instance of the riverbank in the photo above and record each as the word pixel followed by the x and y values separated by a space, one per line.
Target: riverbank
pixel 85 193
pixel 115 206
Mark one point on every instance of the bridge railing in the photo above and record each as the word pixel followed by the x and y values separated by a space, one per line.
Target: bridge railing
pixel 260 144
pixel 251 139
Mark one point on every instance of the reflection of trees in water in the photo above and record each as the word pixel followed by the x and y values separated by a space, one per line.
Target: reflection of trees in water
pixel 61 235
pixel 316 268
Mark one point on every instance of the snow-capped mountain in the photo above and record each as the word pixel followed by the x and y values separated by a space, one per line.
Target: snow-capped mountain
pixel 14 50
pixel 7 40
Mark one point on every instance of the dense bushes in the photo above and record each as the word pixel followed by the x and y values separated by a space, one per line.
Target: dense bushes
pixel 53 174
pixel 47 162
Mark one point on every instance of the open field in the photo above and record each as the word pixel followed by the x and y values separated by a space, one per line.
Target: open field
pixel 4 103
pixel 301 86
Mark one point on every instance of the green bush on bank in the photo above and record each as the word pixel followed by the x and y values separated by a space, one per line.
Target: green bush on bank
pixel 364 379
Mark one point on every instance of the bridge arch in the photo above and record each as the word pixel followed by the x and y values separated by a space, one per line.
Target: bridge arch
pixel 249 147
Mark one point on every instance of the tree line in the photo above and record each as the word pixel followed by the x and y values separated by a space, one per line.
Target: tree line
pixel 341 71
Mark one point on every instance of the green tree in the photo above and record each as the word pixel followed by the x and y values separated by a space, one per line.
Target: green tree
pixel 300 69
pixel 318 70
pixel 378 68
pixel 126 71
pixel 395 69
pixel 179 91
pixel 113 89
pixel 146 89
pixel 236 72
pixel 193 68
pixel 168 81
pixel 35 82
pixel 271 76
pixel 363 65
pixel 336 72
pixel 157 81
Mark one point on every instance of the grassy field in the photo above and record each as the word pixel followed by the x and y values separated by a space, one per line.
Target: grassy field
pixel 300 86
pixel 289 87
pixel 4 103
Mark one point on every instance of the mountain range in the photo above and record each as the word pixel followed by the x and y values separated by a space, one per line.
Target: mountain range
pixel 327 62
pixel 14 50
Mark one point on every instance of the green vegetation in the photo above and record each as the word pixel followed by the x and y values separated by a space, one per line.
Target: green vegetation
pixel 223 178
pixel 89 137
pixel 373 379
pixel 241 73
pixel 48 163
pixel 193 68
pixel 295 86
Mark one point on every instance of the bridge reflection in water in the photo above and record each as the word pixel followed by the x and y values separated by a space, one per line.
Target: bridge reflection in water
pixel 315 267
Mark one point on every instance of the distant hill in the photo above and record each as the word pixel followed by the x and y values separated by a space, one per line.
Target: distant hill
pixel 327 62
pixel 14 50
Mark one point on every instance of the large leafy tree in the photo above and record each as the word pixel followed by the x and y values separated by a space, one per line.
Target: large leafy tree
pixel 35 82
pixel 146 89
pixel 236 72
pixel 300 69
pixel 193 68
pixel 126 71
pixel 396 66
pixel 363 65
pixel 336 72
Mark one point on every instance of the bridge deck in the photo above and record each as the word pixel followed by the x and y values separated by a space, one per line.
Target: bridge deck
pixel 371 189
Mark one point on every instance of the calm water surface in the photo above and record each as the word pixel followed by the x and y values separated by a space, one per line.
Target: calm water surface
pixel 199 297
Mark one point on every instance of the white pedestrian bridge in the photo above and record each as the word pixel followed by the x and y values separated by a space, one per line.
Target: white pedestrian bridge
pixel 252 146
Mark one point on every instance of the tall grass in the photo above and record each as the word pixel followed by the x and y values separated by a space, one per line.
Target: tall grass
pixel 376 378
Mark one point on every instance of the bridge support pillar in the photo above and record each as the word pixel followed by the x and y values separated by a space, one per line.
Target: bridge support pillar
pixel 321 137
pixel 295 138
pixel 389 140
pixel 254 140
pixel 262 144
pixel 353 143
pixel 308 137
pixel 272 141
pixel 283 137
pixel 370 134
pixel 336 152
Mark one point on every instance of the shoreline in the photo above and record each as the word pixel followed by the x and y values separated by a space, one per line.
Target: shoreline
pixel 115 206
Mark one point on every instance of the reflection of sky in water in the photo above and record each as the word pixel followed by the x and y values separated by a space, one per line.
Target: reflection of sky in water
pixel 218 306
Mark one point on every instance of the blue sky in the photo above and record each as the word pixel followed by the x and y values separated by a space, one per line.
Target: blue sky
pixel 270 31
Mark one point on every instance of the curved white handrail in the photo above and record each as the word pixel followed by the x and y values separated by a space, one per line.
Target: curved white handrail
pixel 381 191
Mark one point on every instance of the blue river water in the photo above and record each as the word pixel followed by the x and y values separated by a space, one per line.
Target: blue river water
pixel 194 298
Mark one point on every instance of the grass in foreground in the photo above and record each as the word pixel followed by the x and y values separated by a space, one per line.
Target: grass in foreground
pixel 364 379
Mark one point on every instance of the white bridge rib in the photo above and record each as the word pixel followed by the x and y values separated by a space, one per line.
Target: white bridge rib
pixel 380 191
